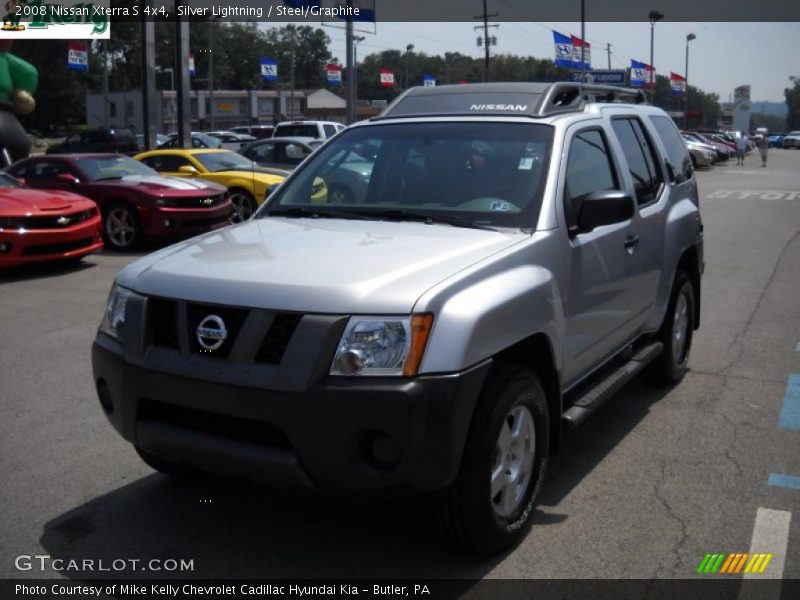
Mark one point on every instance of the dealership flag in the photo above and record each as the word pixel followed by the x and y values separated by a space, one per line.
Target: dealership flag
pixel 269 69
pixel 642 74
pixel 191 64
pixel 678 84
pixel 334 74
pixel 428 80
pixel 77 56
pixel 563 50
pixel 387 77
pixel 577 43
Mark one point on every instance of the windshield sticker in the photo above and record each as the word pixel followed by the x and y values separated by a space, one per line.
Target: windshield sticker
pixel 525 163
pixel 500 206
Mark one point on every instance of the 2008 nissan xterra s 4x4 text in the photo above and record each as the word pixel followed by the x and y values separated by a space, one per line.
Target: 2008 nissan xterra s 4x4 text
pixel 507 257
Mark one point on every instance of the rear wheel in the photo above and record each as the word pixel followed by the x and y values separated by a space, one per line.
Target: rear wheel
pixel 675 334
pixel 121 227
pixel 244 205
pixel 489 507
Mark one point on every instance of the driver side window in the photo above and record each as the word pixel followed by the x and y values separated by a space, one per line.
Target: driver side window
pixel 589 169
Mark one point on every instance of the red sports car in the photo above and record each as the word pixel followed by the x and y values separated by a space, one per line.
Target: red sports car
pixel 135 202
pixel 37 226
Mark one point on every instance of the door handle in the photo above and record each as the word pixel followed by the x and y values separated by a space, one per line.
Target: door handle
pixel 631 242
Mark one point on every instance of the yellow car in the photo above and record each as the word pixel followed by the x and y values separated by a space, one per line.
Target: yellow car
pixel 247 182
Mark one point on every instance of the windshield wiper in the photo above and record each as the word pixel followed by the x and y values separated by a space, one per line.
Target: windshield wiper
pixel 109 178
pixel 429 219
pixel 315 213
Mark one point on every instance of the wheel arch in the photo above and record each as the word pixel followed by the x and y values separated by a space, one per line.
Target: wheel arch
pixel 536 352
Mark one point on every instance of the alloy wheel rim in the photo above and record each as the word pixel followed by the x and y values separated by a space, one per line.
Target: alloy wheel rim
pixel 120 227
pixel 512 468
pixel 680 328
pixel 241 208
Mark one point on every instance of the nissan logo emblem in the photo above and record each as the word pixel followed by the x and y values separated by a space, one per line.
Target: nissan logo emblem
pixel 211 333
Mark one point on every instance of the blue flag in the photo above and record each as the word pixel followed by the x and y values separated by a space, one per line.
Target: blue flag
pixel 563 45
pixel 269 69
pixel 638 74
pixel 428 80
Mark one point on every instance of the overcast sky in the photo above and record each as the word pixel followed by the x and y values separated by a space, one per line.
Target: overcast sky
pixel 724 55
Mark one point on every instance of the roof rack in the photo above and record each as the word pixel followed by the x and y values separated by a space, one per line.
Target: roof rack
pixel 533 100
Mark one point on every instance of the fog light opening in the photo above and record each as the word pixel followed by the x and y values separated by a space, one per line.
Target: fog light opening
pixel 379 450
pixel 5 247
pixel 168 223
pixel 106 401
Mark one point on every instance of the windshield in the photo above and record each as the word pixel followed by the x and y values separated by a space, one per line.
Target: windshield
pixel 113 167
pixel 224 161
pixel 488 174
pixel 7 181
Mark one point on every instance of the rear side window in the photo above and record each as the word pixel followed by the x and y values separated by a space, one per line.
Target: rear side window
pixel 640 157
pixel 330 130
pixel 677 153
pixel 296 131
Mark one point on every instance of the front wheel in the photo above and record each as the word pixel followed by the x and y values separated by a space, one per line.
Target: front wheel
pixel 244 205
pixel 121 228
pixel 489 507
pixel 675 334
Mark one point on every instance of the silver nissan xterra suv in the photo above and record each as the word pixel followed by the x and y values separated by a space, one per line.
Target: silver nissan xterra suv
pixel 509 256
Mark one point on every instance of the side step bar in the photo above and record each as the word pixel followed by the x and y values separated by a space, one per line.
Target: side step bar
pixel 595 397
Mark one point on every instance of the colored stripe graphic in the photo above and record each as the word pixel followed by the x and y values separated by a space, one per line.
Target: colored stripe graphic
pixel 727 563
pixel 790 413
pixel 786 481
pixel 734 563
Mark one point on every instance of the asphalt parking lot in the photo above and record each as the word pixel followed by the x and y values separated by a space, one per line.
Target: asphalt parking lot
pixel 648 486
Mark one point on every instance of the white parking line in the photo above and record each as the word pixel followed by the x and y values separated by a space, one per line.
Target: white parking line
pixel 771 535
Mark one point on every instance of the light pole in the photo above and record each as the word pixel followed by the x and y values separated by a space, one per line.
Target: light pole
pixel 171 72
pixel 356 40
pixel 655 17
pixel 689 38
pixel 409 48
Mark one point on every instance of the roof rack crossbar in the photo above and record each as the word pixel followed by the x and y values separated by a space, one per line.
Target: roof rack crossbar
pixel 570 97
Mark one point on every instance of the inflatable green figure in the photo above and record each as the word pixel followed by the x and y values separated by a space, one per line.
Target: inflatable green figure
pixel 18 80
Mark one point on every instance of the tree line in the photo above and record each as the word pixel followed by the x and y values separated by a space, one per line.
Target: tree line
pixel 238 48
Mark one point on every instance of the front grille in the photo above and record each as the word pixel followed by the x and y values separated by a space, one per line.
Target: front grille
pixel 42 249
pixel 277 338
pixel 195 201
pixel 232 428
pixel 163 317
pixel 163 322
pixel 232 317
pixel 57 221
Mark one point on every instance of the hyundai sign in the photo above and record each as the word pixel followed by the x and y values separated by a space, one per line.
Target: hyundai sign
pixel 605 77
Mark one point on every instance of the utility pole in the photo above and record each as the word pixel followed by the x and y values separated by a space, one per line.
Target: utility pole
pixel 689 38
pixel 350 67
pixel 211 74
pixel 293 52
pixel 608 50
pixel 105 83
pixel 409 48
pixel 583 41
pixel 485 16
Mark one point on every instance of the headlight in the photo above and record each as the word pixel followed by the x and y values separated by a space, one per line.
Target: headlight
pixel 167 202
pixel 114 318
pixel 382 346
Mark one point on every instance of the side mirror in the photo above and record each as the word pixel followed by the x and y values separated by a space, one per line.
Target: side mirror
pixel 22 181
pixel 187 170
pixel 67 178
pixel 604 208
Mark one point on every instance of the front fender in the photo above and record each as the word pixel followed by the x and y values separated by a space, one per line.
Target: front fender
pixel 494 313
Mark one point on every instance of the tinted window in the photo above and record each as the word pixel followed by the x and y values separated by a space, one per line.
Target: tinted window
pixel 677 153
pixel 589 167
pixel 262 153
pixel 639 157
pixel 166 163
pixel 296 131
pixel 486 173
pixel 46 170
pixel 293 153
pixel 330 130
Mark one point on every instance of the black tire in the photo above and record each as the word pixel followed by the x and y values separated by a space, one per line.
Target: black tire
pixel 465 512
pixel 173 470
pixel 122 230
pixel 244 205
pixel 671 365
pixel 694 161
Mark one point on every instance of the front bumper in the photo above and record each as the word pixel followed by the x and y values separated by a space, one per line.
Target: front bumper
pixel 38 245
pixel 375 437
pixel 158 222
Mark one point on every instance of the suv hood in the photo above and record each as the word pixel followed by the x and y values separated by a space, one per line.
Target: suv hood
pixel 315 265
